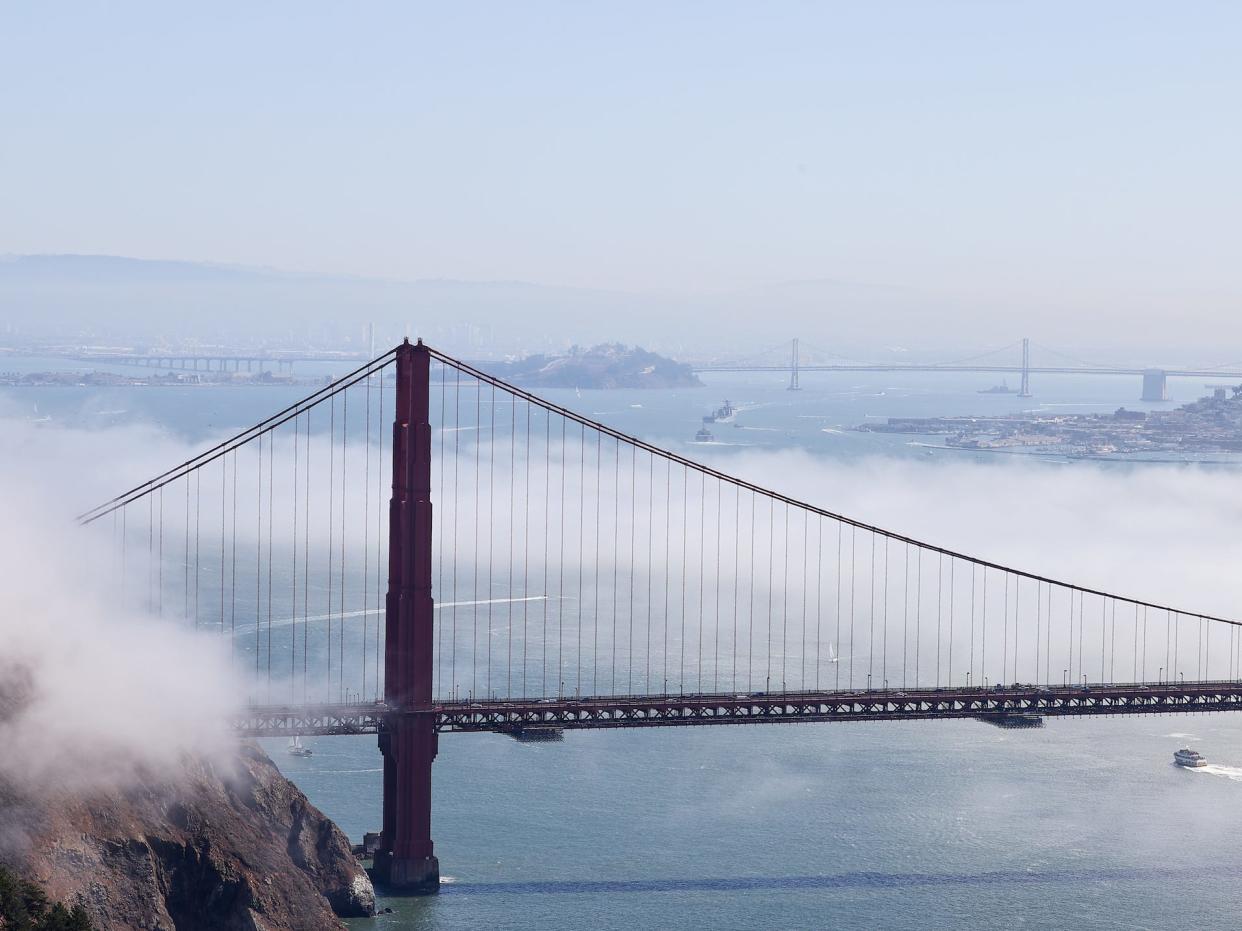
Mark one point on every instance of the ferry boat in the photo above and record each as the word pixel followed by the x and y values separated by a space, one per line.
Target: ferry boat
pixel 720 414
pixel 703 436
pixel 1189 758
pixel 296 747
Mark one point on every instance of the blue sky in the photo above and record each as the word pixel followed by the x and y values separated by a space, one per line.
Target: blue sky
pixel 1075 156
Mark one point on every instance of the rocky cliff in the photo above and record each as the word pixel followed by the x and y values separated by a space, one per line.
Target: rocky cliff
pixel 218 846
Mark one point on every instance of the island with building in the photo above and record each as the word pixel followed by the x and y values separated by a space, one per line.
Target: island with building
pixel 610 365
pixel 1212 424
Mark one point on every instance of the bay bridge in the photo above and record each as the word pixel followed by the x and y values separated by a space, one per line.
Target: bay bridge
pixel 790 358
pixel 575 577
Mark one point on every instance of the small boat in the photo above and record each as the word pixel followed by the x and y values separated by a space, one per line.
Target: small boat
pixel 1189 758
pixel 703 436
pixel 296 747
pixel 832 654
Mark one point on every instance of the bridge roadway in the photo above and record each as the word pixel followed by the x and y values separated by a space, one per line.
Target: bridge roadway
pixel 970 368
pixel 513 716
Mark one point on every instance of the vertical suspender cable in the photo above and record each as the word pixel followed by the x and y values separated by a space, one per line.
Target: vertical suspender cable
pixel 806 582
pixel 560 572
pixel 840 582
pixel 366 533
pixel 293 592
pixel 1005 641
pixel 474 588
pixel 491 532
pixel 233 572
pixel 306 566
pixel 616 555
pixel 1017 607
pixel 884 646
pixel 160 559
pixel 443 557
pixel 952 593
pixel 526 550
pixel 785 601
pixel 767 685
pixel 737 575
pixel 939 606
pixel 599 494
pixel 547 518
pixel 871 625
pixel 750 619
pixel 344 498
pixel 716 599
pixel 668 560
pixel 918 611
pixel 819 593
pixel 331 527
pixel 512 520
pixel 685 523
pixel 702 565
pixel 271 495
pixel 651 521
pixel 456 509
pixel 224 500
pixel 983 631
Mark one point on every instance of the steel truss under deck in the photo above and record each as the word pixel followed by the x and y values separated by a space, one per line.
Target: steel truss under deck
pixel 519 715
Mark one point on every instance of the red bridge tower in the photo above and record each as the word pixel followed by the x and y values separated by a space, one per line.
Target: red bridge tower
pixel 408 742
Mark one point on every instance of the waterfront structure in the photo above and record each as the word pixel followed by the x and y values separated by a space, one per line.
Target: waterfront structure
pixel 1210 425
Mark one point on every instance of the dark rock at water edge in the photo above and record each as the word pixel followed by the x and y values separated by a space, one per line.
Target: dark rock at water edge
pixel 235 847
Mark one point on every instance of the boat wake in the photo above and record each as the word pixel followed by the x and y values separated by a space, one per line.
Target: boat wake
pixel 1229 772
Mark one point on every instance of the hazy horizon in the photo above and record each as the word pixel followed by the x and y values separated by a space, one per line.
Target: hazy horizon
pixel 966 174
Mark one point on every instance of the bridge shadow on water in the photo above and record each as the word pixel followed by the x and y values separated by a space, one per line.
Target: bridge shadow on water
pixel 852 880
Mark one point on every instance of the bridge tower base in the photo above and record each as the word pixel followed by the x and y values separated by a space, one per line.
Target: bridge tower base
pixel 405 861
pixel 1155 385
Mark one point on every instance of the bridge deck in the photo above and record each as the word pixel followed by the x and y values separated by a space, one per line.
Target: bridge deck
pixel 517 715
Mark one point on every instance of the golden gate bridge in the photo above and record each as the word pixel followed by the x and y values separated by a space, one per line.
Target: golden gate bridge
pixel 576 577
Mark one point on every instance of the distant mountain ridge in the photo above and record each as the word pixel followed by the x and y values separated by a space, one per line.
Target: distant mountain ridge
pixel 81 297
pixel 120 300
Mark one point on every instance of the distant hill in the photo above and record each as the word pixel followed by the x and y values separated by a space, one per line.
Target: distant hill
pixel 118 300
pixel 81 270
pixel 121 301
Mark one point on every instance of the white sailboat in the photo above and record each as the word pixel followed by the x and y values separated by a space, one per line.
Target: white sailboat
pixel 296 748
pixel 832 654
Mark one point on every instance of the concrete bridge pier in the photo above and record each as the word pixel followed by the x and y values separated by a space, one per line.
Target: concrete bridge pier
pixel 1155 385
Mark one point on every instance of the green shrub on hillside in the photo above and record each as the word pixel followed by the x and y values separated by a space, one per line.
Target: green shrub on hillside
pixel 24 907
